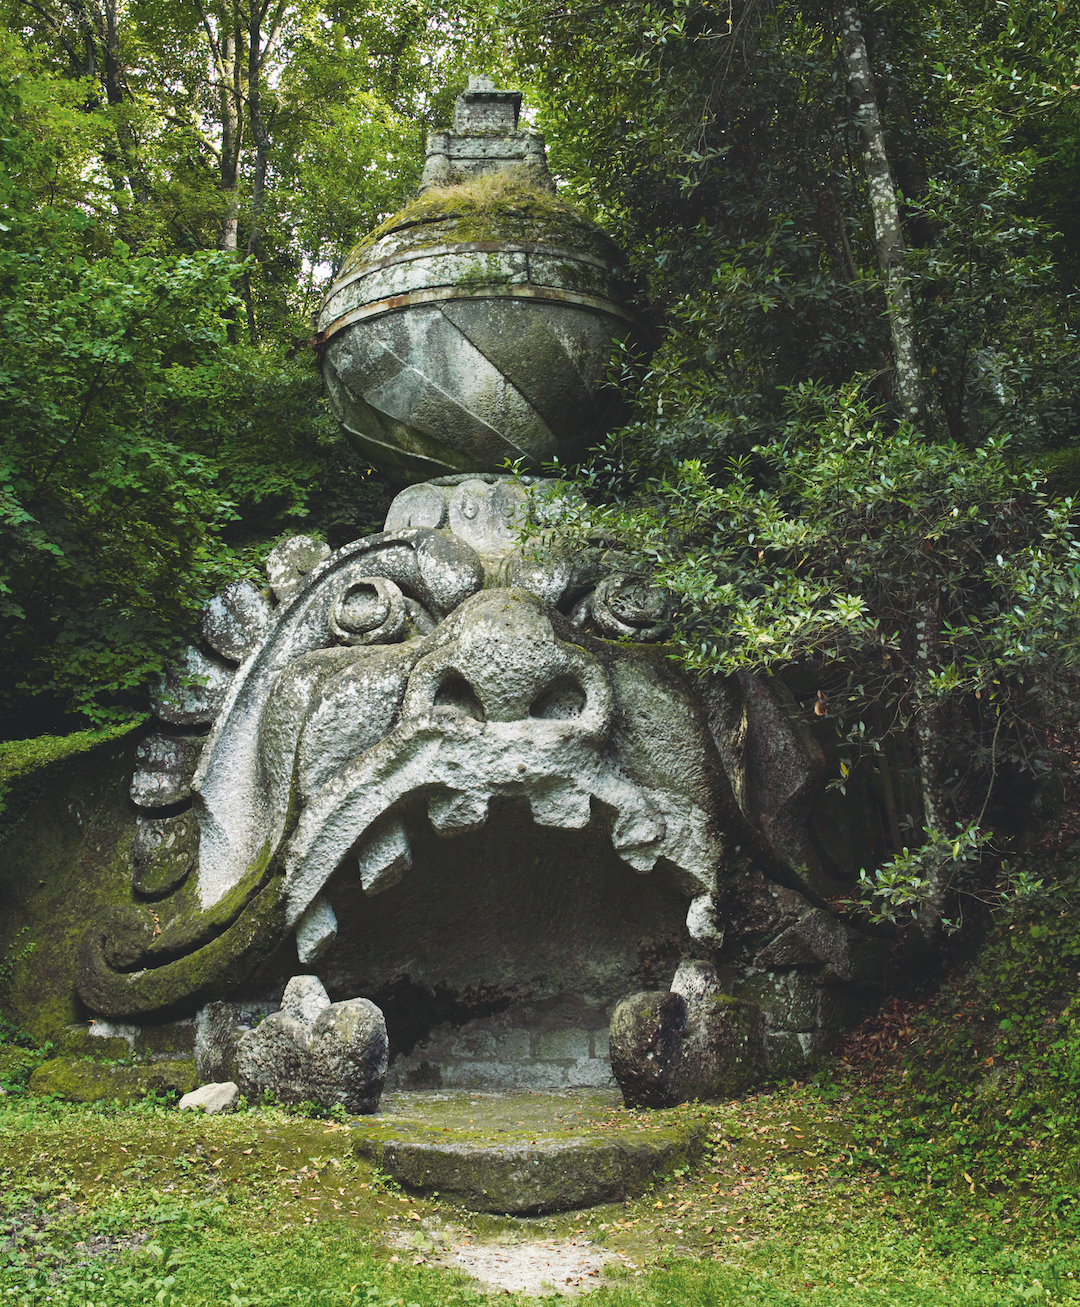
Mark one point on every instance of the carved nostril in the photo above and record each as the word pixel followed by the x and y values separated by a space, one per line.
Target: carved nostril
pixel 455 692
pixel 563 699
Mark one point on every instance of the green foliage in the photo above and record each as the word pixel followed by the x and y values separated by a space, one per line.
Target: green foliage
pixel 922 599
pixel 722 147
pixel 906 881
pixel 111 516
pixel 981 1105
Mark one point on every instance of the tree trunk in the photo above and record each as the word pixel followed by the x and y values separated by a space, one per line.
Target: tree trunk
pixel 223 39
pixel 261 39
pixel 929 757
pixel 888 237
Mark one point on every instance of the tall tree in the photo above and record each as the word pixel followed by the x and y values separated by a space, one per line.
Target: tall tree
pixel 888 236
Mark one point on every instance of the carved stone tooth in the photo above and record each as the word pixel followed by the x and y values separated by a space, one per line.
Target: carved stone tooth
pixel 457 812
pixel 315 931
pixel 637 835
pixel 563 804
pixel 702 926
pixel 385 856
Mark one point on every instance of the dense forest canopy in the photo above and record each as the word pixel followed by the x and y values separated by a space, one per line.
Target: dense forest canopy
pixel 848 459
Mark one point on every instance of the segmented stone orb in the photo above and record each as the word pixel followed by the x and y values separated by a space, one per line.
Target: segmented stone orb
pixel 457 337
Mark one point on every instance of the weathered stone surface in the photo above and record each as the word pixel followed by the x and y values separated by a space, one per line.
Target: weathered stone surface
pixel 164 766
pixel 290 563
pixel 647 1031
pixel 82 1081
pixel 211 1099
pixel 312 1049
pixel 217 1031
pixel 691 1042
pixel 488 516
pixel 235 621
pixel 192 690
pixel 816 940
pixel 723 1049
pixel 419 505
pixel 164 852
pixel 523 1153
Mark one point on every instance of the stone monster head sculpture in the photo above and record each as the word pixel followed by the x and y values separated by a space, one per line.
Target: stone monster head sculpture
pixel 424 671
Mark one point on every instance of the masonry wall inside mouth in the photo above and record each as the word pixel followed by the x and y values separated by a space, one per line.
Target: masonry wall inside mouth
pixel 498 958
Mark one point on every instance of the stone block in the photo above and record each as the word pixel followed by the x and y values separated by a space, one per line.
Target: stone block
pixel 816 940
pixel 559 1044
pixel 334 1054
pixel 784 1053
pixel 788 999
pixel 647 1030
pixel 211 1099
pixel 80 1081
pixel 164 766
pixel 542 1153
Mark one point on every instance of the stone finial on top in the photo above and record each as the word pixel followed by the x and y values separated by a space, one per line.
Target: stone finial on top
pixel 485 108
pixel 485 138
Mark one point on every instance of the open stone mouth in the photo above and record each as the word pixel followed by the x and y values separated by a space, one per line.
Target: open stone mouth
pixel 394 678
pixel 455 765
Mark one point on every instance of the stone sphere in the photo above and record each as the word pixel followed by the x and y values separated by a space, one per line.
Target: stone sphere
pixel 464 332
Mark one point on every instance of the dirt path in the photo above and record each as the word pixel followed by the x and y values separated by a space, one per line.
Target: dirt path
pixel 515 1264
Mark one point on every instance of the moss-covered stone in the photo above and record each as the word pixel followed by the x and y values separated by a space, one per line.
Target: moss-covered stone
pixel 185 983
pixel 80 1080
pixel 525 1153
pixel 502 207
pixel 79 1041
pixel 67 862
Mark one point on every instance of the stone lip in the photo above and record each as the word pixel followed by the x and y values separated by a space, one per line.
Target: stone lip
pixel 525 1153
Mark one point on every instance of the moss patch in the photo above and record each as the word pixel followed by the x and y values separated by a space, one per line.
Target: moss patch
pixel 493 207
pixel 68 863
pixel 19 758
pixel 80 1080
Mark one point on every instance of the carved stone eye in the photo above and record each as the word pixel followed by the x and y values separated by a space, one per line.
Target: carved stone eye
pixel 371 611
pixel 625 606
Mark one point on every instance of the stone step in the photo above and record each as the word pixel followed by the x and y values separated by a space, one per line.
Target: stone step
pixel 525 1153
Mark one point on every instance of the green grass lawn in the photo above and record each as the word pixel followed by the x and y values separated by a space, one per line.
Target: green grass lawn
pixel 109 1205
